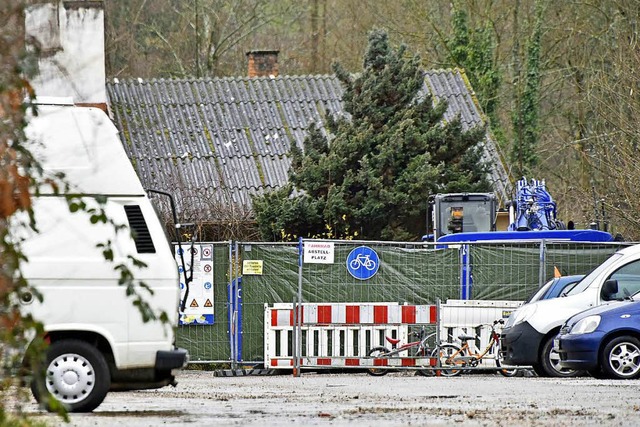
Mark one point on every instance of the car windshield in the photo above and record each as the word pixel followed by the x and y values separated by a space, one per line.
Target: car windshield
pixel 540 292
pixel 584 283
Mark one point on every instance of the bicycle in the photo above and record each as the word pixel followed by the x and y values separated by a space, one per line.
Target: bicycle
pixel 422 350
pixel 452 355
pixel 363 261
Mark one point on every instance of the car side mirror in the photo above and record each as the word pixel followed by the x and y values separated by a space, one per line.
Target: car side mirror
pixel 609 288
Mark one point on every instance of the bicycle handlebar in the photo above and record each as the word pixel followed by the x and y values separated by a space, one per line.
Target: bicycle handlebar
pixel 418 334
pixel 491 325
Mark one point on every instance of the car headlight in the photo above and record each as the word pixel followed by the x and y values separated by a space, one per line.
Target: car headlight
pixel 586 325
pixel 521 315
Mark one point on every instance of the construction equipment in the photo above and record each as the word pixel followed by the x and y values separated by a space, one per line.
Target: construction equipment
pixel 461 218
pixel 462 212
pixel 534 208
pixel 473 217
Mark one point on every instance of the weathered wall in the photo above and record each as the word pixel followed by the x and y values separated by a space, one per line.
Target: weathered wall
pixel 70 38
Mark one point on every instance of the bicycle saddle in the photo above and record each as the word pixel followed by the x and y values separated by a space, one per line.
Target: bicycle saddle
pixel 392 341
pixel 464 337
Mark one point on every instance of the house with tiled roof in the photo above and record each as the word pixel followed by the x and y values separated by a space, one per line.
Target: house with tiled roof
pixel 215 142
pixel 211 143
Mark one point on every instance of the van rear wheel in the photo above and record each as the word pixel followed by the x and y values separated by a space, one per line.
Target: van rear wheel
pixel 76 375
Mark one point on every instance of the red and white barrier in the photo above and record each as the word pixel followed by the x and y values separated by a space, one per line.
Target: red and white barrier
pixel 355 314
pixel 341 334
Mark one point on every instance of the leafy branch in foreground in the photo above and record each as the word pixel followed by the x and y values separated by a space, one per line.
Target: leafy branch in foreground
pixel 23 338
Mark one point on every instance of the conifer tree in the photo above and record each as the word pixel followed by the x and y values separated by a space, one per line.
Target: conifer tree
pixel 368 175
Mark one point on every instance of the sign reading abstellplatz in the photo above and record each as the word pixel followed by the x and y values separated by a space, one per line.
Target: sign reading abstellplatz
pixel 318 253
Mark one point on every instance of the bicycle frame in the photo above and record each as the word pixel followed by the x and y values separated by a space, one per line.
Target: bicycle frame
pixel 473 358
pixel 421 346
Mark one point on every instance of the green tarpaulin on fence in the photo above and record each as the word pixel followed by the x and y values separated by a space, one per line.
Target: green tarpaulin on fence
pixel 412 273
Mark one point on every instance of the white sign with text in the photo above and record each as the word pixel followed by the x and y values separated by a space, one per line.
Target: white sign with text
pixel 318 253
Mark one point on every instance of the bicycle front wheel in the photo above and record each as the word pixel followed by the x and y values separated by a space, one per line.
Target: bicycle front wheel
pixel 505 372
pixel 449 356
pixel 377 353
pixel 422 354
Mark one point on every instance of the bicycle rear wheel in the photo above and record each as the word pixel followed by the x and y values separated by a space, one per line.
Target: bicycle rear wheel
pixel 377 353
pixel 449 357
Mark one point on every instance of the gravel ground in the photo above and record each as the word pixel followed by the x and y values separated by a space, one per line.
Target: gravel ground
pixel 356 399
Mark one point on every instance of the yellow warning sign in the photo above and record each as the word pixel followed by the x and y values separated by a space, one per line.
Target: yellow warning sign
pixel 252 267
pixel 208 303
pixel 194 303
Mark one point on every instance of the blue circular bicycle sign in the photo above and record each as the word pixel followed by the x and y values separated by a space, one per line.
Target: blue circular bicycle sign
pixel 363 263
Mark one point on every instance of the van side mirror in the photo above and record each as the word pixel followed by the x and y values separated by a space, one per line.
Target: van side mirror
pixel 609 288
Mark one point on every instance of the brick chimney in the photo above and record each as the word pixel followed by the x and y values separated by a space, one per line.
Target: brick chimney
pixel 263 63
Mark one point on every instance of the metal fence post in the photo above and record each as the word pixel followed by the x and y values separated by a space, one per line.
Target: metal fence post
pixel 297 315
pixel 465 274
pixel 233 279
pixel 438 323
pixel 542 268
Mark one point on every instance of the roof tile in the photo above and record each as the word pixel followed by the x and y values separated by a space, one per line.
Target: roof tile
pixel 222 140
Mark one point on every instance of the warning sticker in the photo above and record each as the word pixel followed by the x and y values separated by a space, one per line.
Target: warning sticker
pixel 252 267
pixel 207 252
pixel 199 305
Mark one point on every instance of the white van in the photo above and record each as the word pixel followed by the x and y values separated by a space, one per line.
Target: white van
pixel 527 338
pixel 98 340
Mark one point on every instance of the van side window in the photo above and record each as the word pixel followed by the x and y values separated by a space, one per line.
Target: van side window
pixel 628 278
pixel 139 230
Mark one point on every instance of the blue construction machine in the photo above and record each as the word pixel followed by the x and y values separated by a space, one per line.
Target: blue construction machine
pixel 475 217
pixel 459 218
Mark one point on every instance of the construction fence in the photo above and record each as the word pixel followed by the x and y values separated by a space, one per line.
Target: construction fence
pixel 224 321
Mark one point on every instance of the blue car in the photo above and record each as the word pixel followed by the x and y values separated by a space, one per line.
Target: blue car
pixel 604 341
pixel 555 287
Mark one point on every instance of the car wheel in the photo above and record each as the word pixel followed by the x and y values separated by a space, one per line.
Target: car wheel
pixel 550 362
pixel 621 358
pixel 76 375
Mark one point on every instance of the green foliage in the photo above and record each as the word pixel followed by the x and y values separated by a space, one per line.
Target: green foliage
pixel 526 116
pixel 474 50
pixel 20 420
pixel 369 174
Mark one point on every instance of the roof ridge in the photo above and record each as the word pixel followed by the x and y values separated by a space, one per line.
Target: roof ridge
pixel 119 80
